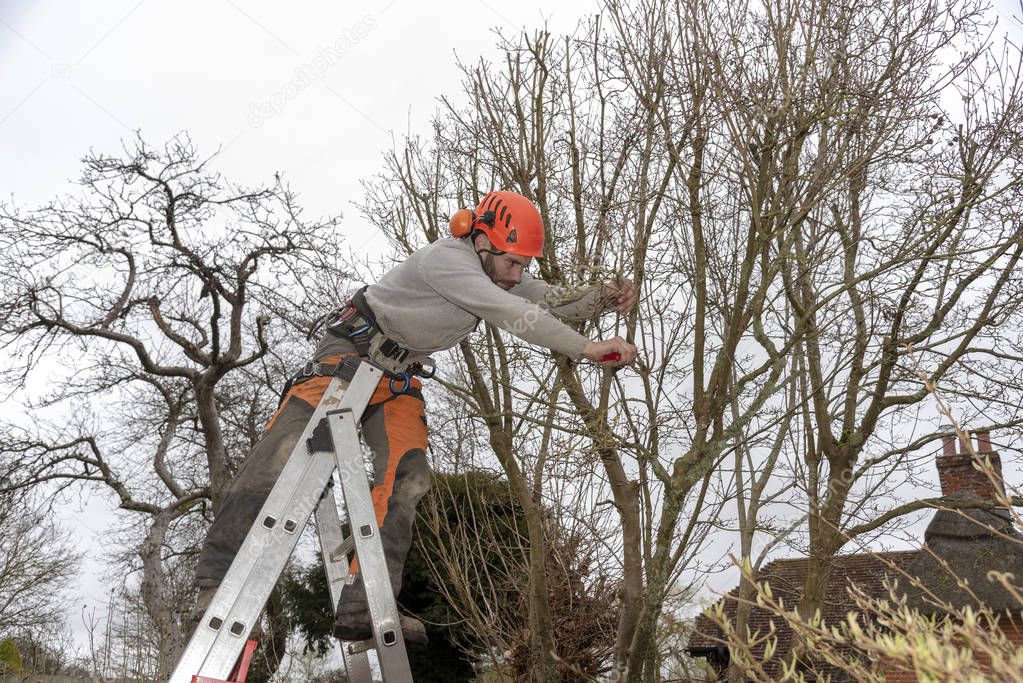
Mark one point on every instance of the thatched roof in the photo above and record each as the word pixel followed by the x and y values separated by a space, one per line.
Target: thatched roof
pixel 964 546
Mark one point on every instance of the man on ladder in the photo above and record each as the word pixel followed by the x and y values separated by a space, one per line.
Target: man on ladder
pixel 428 303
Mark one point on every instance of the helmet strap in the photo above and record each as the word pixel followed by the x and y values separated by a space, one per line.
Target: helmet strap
pixel 492 252
pixel 472 240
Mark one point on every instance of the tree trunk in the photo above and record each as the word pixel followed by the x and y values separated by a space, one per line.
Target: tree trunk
pixel 216 453
pixel 625 493
pixel 747 590
pixel 543 666
pixel 159 603
pixel 644 639
pixel 826 537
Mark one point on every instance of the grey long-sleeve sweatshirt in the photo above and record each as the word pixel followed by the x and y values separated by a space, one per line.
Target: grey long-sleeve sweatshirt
pixel 434 299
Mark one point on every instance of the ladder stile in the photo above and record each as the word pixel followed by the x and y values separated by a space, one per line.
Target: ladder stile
pixel 335 563
pixel 221 635
pixel 390 644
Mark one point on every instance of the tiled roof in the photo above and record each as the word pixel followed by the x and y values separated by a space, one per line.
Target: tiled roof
pixel 786 577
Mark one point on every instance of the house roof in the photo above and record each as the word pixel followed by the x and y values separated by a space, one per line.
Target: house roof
pixel 970 542
pixel 786 578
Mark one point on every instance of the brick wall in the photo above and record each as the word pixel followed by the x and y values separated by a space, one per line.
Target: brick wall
pixel 892 675
pixel 1014 631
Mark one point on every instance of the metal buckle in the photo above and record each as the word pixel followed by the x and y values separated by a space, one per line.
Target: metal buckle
pixel 308 369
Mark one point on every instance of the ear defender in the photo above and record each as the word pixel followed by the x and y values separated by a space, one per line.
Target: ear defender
pixel 461 223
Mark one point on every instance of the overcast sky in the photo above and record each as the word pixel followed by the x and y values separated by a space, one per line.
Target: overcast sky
pixel 314 90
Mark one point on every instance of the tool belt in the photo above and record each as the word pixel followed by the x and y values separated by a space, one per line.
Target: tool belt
pixel 355 322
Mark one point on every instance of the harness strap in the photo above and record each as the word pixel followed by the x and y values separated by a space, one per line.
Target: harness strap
pixel 345 368
pixel 356 323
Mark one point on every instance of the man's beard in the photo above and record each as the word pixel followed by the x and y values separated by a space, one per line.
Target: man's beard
pixel 490 270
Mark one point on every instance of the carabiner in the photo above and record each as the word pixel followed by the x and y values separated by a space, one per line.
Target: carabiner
pixel 427 372
pixel 404 389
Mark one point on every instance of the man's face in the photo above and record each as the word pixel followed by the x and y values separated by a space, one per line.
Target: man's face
pixel 505 270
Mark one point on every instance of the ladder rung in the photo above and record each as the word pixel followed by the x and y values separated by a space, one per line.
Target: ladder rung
pixel 341 552
pixel 361 646
pixel 357 646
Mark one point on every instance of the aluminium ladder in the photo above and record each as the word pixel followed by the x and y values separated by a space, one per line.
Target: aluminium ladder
pixel 305 484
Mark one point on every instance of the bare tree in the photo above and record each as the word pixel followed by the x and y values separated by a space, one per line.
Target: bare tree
pixel 834 213
pixel 164 297
pixel 896 219
pixel 799 207
pixel 37 560
pixel 552 123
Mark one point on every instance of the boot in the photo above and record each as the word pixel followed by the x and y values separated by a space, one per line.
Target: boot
pixel 358 626
pixel 353 620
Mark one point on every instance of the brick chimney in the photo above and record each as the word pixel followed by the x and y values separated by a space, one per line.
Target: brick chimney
pixel 957 472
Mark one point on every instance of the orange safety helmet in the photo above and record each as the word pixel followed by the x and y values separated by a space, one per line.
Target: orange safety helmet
pixel 509 220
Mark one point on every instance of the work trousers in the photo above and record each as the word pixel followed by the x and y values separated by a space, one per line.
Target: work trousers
pixel 393 426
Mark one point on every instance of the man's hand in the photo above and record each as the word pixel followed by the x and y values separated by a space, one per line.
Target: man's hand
pixel 621 295
pixel 595 351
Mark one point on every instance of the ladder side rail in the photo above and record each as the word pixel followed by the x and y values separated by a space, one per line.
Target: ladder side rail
pixel 388 638
pixel 223 629
pixel 229 620
pixel 335 562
